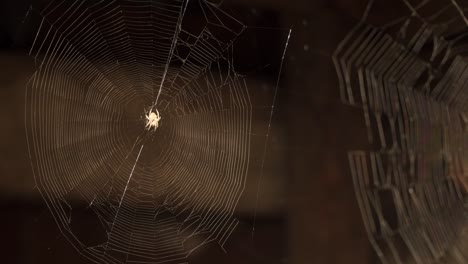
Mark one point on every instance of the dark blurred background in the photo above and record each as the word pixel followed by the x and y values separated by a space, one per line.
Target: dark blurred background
pixel 309 213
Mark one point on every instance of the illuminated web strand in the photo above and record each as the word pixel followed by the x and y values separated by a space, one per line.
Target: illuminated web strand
pixel 408 80
pixel 101 65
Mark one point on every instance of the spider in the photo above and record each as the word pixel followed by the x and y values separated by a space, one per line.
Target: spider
pixel 152 120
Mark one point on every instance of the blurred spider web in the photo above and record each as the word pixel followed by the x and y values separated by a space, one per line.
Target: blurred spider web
pixel 409 74
pixel 157 196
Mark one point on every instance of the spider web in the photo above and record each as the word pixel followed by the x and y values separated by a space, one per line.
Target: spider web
pixel 409 76
pixel 157 196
